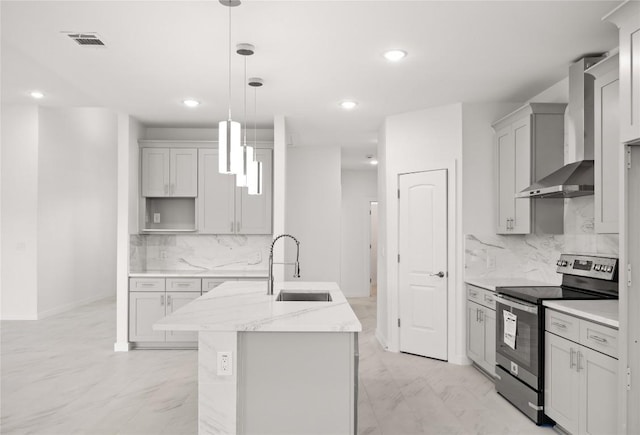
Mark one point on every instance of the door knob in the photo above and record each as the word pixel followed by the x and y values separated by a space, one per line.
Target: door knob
pixel 439 274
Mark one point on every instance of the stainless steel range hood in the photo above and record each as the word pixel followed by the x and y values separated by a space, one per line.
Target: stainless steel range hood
pixel 574 179
pixel 577 178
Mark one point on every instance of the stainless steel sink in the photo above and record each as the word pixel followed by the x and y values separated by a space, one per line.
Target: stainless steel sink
pixel 298 296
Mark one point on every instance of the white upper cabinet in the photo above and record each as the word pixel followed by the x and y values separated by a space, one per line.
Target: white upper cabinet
pixel 169 172
pixel 224 208
pixel 607 146
pixel 627 18
pixel 529 144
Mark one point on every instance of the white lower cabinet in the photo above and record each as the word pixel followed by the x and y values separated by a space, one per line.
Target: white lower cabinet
pixel 146 308
pixel 581 383
pixel 481 328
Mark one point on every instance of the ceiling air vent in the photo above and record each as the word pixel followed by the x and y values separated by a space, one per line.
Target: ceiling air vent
pixel 86 38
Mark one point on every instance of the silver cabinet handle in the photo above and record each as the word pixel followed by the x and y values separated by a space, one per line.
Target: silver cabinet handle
pixel 571 353
pixel 578 365
pixel 162 300
pixel 439 274
pixel 477 315
pixel 169 301
pixel 559 325
pixel 598 339
pixel 232 226
pixel 481 316
pixel 488 298
pixel 146 284
pixel 166 189
pixel 474 294
pixel 183 284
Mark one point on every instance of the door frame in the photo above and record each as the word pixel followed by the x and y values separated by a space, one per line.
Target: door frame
pixel 370 202
pixel 456 308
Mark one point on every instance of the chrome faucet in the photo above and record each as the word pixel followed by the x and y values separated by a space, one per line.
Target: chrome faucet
pixel 296 265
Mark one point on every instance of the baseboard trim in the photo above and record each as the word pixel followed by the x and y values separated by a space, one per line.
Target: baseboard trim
pixel 460 360
pixel 121 346
pixel 381 339
pixel 70 306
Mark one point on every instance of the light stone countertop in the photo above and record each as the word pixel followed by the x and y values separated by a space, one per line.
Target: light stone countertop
pixel 200 274
pixel 245 306
pixel 493 283
pixel 604 311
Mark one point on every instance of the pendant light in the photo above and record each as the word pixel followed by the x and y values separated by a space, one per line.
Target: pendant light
pixel 254 167
pixel 229 131
pixel 246 154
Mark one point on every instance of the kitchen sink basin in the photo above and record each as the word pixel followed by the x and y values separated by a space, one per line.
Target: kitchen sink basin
pixel 297 296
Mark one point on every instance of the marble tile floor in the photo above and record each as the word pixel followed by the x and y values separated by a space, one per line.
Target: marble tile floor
pixel 60 376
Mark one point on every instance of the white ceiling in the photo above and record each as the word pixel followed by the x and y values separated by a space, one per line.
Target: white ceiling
pixel 311 54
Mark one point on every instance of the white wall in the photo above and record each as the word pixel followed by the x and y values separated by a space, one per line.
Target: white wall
pixel 382 315
pixel 419 141
pixel 19 208
pixel 359 188
pixel 313 209
pixel 76 207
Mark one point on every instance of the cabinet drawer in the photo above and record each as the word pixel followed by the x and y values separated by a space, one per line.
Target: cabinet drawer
pixel 562 324
pixel 146 284
pixel 184 284
pixel 209 284
pixel 481 296
pixel 599 337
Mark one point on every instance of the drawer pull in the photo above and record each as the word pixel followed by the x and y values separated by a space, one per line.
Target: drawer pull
pixel 162 300
pixel 147 284
pixel 474 294
pixel 559 325
pixel 599 339
pixel 488 298
pixel 571 354
pixel 183 284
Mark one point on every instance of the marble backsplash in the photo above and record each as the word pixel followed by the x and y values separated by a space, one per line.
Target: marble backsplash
pixel 198 252
pixel 534 256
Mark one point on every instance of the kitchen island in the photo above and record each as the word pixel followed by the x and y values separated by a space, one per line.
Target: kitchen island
pixel 269 366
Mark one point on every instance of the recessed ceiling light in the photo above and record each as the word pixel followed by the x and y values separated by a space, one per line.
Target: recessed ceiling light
pixel 191 103
pixel 395 55
pixel 348 105
pixel 37 94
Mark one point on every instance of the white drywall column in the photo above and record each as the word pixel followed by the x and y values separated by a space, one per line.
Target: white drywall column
pixel 19 208
pixel 382 323
pixel 129 131
pixel 279 189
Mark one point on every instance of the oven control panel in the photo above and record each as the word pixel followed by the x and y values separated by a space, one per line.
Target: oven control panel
pixel 588 265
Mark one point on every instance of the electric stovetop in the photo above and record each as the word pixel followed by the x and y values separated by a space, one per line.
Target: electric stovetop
pixel 536 295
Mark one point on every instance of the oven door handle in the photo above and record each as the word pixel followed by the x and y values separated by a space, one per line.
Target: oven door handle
pixel 533 309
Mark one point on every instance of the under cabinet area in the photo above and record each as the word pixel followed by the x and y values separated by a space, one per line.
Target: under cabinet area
pixel 529 144
pixel 607 147
pixel 481 328
pixel 581 374
pixel 224 208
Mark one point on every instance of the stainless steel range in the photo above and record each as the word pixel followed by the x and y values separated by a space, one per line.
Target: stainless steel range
pixel 520 327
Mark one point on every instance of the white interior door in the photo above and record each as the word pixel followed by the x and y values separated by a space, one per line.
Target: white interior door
pixel 423 273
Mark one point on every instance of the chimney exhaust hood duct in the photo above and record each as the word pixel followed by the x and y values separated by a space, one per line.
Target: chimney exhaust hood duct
pixel 577 178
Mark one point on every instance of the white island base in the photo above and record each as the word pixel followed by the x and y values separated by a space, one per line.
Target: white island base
pixel 293 367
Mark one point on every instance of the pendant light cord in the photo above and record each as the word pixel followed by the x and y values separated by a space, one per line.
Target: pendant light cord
pixel 255 117
pixel 229 94
pixel 244 87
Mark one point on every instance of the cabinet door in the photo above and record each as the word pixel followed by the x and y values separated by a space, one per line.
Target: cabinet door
pixel 216 202
pixel 630 75
pixel 145 309
pixel 155 172
pixel 475 333
pixel 176 300
pixel 184 172
pixel 599 396
pixel 489 325
pixel 607 152
pixel 505 158
pixel 522 166
pixel 253 212
pixel 561 382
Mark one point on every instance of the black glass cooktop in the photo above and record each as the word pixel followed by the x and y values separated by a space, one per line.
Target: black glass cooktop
pixel 536 295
